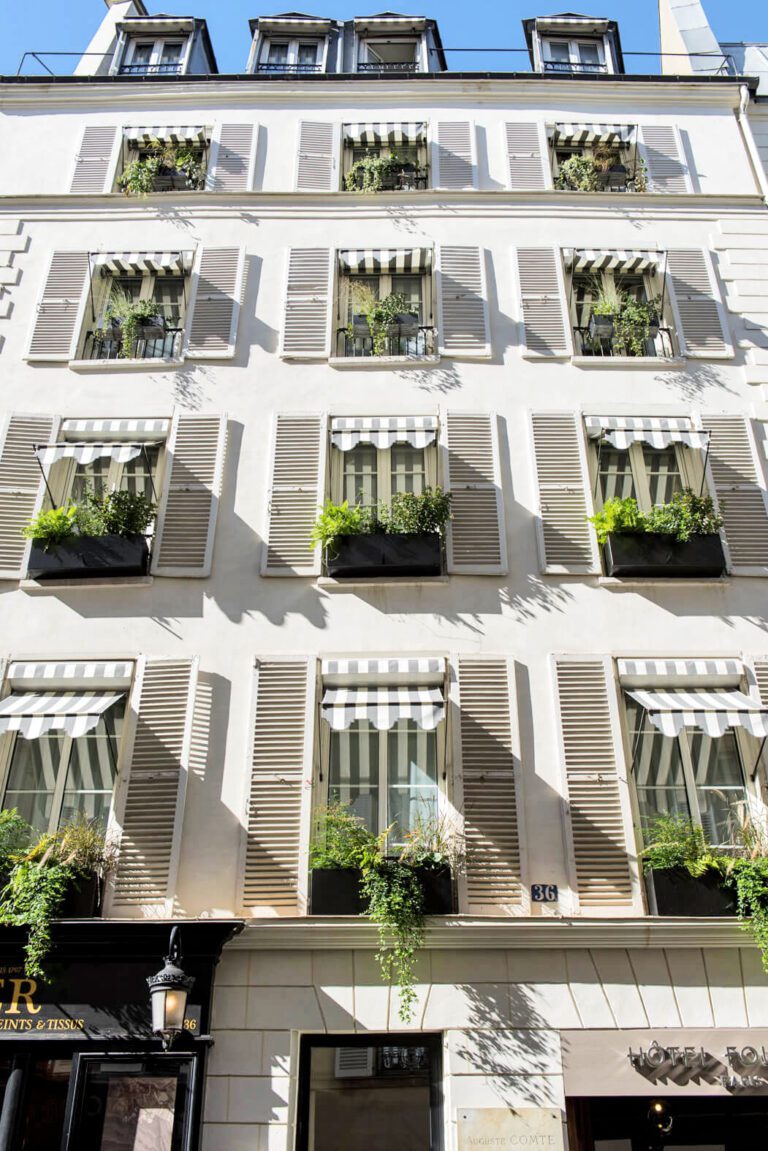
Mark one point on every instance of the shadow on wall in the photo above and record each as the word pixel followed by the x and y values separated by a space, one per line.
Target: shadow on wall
pixel 694 381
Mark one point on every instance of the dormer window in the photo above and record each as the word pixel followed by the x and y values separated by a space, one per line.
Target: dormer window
pixel 388 55
pixel 286 55
pixel 154 57
pixel 573 55
pixel 569 43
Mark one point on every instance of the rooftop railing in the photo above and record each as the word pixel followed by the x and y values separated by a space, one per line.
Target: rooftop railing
pixel 290 69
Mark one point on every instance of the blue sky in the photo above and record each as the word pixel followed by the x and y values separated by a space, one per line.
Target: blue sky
pixel 67 25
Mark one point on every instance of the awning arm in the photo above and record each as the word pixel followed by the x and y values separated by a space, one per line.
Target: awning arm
pixel 35 448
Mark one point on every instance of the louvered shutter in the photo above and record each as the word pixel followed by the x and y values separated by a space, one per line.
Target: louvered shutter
pixel 740 491
pixel 761 678
pixel 702 322
pixel 21 486
pixel 599 829
pixel 525 159
pixel 280 773
pixel 154 803
pixel 490 787
pixel 296 494
pixel 454 155
pixel 542 302
pixel 463 299
pixel 55 330
pixel 476 538
pixel 317 168
pixel 190 499
pixel 217 288
pixel 566 540
pixel 663 158
pixel 307 322
pixel 93 163
pixel 232 169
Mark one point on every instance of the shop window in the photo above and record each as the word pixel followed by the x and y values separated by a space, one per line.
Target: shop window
pixel 380 1093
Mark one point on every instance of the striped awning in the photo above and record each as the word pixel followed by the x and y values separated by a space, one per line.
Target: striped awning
pixel 86 453
pixel 374 135
pixel 383 706
pixel 658 431
pixel 622 260
pixel 385 260
pixel 32 715
pixel 114 673
pixel 189 134
pixel 691 672
pixel 616 134
pixel 712 712
pixel 595 23
pixel 383 431
pixel 115 429
pixel 142 263
pixel 421 671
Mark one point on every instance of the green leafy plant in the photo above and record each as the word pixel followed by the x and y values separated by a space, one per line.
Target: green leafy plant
pixel 608 299
pixel 119 513
pixel 370 172
pixel 395 900
pixel 129 316
pixel 15 834
pixel 380 315
pixel 434 841
pixel 41 879
pixel 410 513
pixel 339 838
pixel 684 516
pixel 674 841
pixel 640 178
pixel 52 526
pixel 633 323
pixel 140 176
pixel 577 174
pixel 340 520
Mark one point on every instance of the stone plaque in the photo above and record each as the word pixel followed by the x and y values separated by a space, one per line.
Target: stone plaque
pixel 508 1129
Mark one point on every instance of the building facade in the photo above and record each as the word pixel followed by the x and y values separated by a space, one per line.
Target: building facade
pixel 544 696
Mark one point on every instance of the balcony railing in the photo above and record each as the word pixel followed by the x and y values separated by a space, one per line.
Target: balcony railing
pixel 404 178
pixel 402 66
pixel 165 347
pixel 151 69
pixel 401 341
pixel 291 69
pixel 567 66
pixel 586 345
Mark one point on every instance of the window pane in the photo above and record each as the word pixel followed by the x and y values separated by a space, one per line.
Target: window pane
pixel 559 51
pixel 32 778
pixel 408 469
pixel 278 53
pixel 134 1106
pixel 412 777
pixel 588 54
pixel 371 282
pixel 307 53
pixel 719 785
pixel 92 769
pixel 137 475
pixel 142 53
pixel 353 776
pixel 168 292
pixel 663 473
pixel 171 53
pixel 657 767
pixel 585 289
pixel 410 287
pixel 615 474
pixel 93 476
pixel 360 480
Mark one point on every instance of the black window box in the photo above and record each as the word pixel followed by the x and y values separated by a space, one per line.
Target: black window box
pixel 336 891
pixel 87 556
pixel 652 555
pixel 83 898
pixel 676 892
pixel 377 554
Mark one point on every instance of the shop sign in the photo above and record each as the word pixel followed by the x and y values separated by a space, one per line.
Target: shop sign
pixel 712 1062
pixel 507 1129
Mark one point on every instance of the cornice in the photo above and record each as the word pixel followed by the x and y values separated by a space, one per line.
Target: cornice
pixel 469 933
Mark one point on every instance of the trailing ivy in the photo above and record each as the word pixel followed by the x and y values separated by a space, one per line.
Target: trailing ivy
pixel 396 905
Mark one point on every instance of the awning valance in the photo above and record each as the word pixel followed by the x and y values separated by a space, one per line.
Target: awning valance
pixel 712 712
pixel 622 260
pixel 142 263
pixel 115 429
pixel 32 715
pixel 421 671
pixel 372 135
pixel 615 134
pixel 383 706
pixel 71 674
pixel 657 431
pixel 682 672
pixel 48 454
pixel 370 260
pixel 182 134
pixel 383 431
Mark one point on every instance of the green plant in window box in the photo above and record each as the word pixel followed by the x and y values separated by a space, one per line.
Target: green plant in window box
pixel 380 315
pixel 52 526
pixel 339 838
pixel 371 172
pixel 407 514
pixel 341 520
pixel 684 516
pixel 119 513
pixel 578 174
pixel 180 164
pixel 636 322
pixel 130 320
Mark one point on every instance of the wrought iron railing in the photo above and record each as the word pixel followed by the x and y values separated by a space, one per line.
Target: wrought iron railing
pixel 402 66
pixel 400 341
pixel 567 66
pixel 405 178
pixel 586 345
pixel 290 68
pixel 151 69
pixel 102 346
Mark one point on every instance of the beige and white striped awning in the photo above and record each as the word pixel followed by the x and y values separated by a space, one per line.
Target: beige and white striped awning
pixel 383 431
pixel 31 715
pixel 373 260
pixel 657 431
pixel 49 676
pixel 115 429
pixel 86 453
pixel 713 673
pixel 142 263
pixel 584 133
pixel 417 671
pixel 712 712
pixel 383 706
pixel 374 135
pixel 622 260
pixel 583 23
pixel 190 135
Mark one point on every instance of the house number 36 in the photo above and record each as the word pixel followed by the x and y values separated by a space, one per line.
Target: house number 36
pixel 544 892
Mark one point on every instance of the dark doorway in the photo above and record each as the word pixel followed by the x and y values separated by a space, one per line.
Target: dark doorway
pixel 673 1123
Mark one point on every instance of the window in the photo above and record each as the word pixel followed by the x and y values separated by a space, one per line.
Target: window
pixel 154 160
pixel 290 56
pixel 692 774
pixel 159 331
pixel 573 55
pixel 402 147
pixel 388 55
pixel 410 332
pixel 55 778
pixel 630 319
pixel 164 57
pixel 596 158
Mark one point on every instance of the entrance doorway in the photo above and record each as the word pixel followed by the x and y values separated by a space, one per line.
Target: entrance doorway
pixel 673 1123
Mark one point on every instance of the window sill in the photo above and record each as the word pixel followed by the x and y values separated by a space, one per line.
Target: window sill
pixel 638 362
pixel 616 584
pixel 35 587
pixel 125 365
pixel 380 361
pixel 330 584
